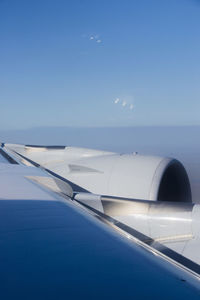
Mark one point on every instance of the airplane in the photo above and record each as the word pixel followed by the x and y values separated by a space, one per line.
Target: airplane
pixel 79 223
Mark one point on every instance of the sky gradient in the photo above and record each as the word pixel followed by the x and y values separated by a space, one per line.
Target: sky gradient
pixel 64 63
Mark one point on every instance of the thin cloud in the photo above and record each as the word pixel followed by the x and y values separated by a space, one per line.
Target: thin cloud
pixel 95 38
pixel 124 103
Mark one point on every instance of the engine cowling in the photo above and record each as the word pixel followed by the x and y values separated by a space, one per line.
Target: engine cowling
pixel 133 176
pixel 120 175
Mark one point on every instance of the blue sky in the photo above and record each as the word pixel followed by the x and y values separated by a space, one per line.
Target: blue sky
pixel 64 63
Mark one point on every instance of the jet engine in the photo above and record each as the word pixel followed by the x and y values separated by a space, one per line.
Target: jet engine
pixel 105 173
pixel 132 176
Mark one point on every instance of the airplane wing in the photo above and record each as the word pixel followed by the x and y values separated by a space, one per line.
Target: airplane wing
pixel 59 240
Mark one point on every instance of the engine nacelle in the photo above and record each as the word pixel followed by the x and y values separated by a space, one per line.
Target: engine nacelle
pixel 133 176
pixel 120 175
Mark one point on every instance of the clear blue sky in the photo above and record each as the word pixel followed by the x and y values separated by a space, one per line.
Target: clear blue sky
pixel 64 63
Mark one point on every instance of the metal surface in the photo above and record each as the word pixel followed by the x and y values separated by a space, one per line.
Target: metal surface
pixel 7 157
pixel 173 228
pixel 53 248
pixel 132 176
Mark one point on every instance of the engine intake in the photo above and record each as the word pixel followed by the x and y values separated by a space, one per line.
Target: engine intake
pixel 174 184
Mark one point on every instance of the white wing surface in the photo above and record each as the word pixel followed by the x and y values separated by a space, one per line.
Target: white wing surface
pixel 60 243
